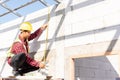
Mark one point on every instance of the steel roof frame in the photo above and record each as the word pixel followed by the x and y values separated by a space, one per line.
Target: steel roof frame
pixel 2 3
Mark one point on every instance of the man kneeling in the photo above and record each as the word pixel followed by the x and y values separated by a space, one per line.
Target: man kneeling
pixel 18 57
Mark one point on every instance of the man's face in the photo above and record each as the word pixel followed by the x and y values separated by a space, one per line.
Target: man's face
pixel 27 34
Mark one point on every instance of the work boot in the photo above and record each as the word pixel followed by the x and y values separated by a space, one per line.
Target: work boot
pixel 16 73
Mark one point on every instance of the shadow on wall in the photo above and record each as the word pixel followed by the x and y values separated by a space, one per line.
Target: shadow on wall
pixel 94 68
pixel 54 37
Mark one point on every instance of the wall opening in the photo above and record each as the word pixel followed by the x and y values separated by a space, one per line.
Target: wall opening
pixel 95 68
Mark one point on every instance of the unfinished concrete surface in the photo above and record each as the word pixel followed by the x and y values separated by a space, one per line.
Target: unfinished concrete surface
pixel 83 42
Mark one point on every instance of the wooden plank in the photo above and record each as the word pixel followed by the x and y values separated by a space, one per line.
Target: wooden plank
pixel 116 52
pixel 28 78
pixel 22 78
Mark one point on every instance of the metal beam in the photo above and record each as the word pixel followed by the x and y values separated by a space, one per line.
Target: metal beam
pixel 25 5
pixel 19 7
pixel 57 1
pixel 4 14
pixel 15 13
pixel 44 3
pixel 1 1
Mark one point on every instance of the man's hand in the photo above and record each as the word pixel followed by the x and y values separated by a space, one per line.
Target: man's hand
pixel 43 27
pixel 42 65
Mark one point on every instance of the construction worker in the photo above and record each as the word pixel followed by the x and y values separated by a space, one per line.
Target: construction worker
pixel 18 57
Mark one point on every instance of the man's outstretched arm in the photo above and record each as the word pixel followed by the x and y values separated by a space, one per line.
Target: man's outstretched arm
pixel 38 32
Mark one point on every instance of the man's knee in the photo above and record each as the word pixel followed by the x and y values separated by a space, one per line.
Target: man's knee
pixel 22 56
pixel 18 60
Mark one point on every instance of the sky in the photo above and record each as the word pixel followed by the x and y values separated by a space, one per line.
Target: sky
pixel 12 4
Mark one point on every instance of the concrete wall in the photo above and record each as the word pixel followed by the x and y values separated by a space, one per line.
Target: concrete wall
pixel 77 28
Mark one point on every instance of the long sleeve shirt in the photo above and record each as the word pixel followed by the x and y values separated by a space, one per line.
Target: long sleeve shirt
pixel 22 47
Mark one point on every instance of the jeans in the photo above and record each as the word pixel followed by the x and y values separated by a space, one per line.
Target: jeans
pixel 18 62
